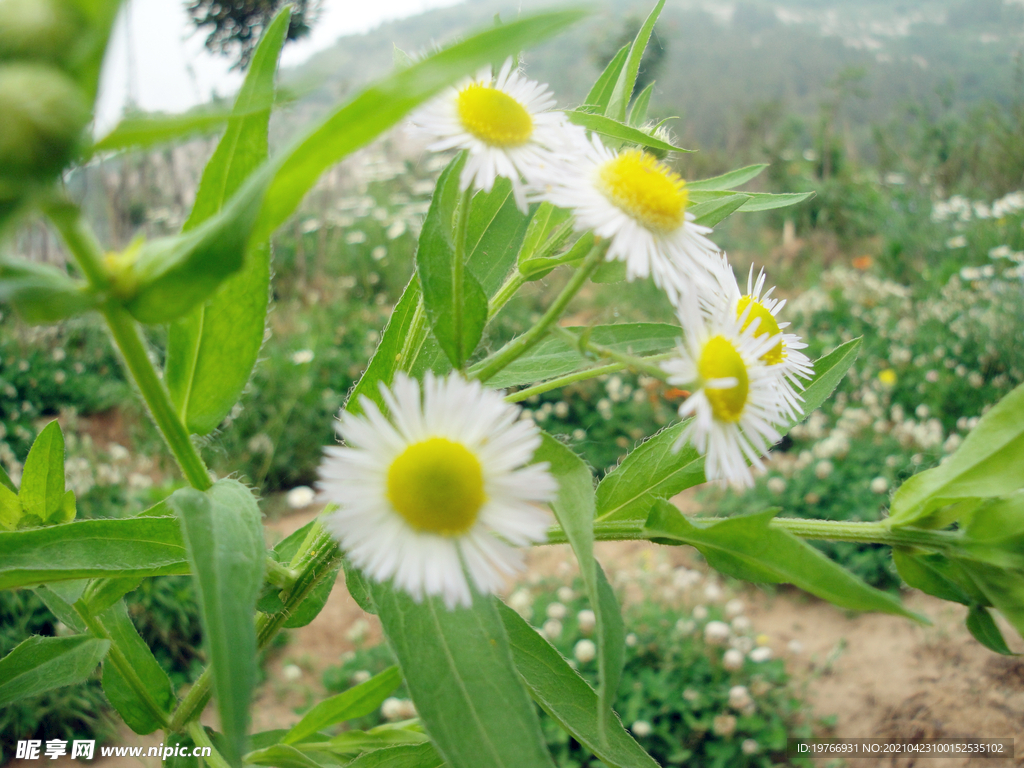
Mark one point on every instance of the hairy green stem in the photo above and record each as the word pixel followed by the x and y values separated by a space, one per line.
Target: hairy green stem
pixel 201 739
pixel 133 349
pixel 645 365
pixel 507 290
pixel 572 378
pixel 521 344
pixel 827 530
pixel 87 252
pixel 318 558
pixel 280 575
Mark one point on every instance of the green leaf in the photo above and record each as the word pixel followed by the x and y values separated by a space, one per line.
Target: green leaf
pixel 224 537
pixel 537 267
pixel 574 508
pixel 606 126
pixel 42 479
pixel 454 299
pixel 354 742
pixel 403 756
pixel 85 548
pixel 638 111
pixel 101 594
pixel 710 213
pixel 613 271
pixel 384 103
pixel 626 81
pixel 933 574
pixel 43 663
pixel 87 59
pixel 729 180
pixel 983 627
pixel 10 509
pixel 755 201
pixel 458 667
pixel 987 464
pixel 994 532
pixel 1003 588
pixel 563 694
pixel 747 548
pixel 549 227
pixel 554 356
pixel 211 352
pixel 282 756
pixel 147 129
pixel 658 470
pixel 494 235
pixel 6 482
pixel 601 93
pixel 68 509
pixel 60 598
pixel 139 711
pixel 41 293
pixel 359 588
pixel 357 701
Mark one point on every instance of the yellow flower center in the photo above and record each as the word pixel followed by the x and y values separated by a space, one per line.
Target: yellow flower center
pixel 437 486
pixel 720 360
pixel 494 117
pixel 767 327
pixel 646 189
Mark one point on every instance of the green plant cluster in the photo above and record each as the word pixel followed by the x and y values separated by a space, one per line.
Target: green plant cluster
pixel 675 689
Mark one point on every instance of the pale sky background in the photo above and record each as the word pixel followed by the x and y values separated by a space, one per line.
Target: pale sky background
pixel 157 58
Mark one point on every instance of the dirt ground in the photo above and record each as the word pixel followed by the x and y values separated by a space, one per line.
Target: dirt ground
pixel 880 676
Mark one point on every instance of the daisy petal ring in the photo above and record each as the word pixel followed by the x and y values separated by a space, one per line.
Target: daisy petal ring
pixel 438 489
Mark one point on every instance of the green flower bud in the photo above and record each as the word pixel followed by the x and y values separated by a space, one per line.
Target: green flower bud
pixel 42 113
pixel 38 30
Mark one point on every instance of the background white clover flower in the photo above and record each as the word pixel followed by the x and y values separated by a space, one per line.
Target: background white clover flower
pixel 505 123
pixel 437 489
pixel 638 203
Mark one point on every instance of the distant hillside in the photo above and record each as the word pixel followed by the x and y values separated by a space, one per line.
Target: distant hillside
pixel 723 61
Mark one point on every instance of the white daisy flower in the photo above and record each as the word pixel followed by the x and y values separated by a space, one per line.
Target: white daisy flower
pixel 505 123
pixel 785 361
pixel 437 489
pixel 735 403
pixel 638 203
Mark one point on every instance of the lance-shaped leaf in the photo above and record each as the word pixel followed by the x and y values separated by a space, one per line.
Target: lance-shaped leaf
pixel 755 201
pixel 403 756
pixel 563 694
pixel 660 468
pixel 729 180
pixel 42 480
pixel 711 212
pixel 43 663
pixel 458 667
pixel 1003 588
pixel 606 126
pixel 143 703
pixel 745 546
pixel 385 102
pixel 985 630
pixel 92 548
pixel 494 235
pixel 601 93
pixel 173 275
pixel 987 464
pixel 224 536
pixel 356 702
pixel 453 297
pixel 554 356
pixel 211 351
pixel 626 81
pixel 147 129
pixel 574 508
pixel 41 293
pixel 638 110
pixel 10 509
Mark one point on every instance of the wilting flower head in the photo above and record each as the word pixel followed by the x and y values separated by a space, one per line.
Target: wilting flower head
pixel 437 489
pixel 639 203
pixel 505 123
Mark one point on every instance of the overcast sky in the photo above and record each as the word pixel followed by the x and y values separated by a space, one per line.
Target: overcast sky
pixel 157 58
